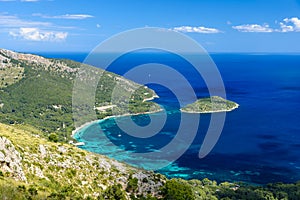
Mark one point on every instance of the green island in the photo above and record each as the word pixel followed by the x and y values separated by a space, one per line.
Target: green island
pixel 37 161
pixel 210 105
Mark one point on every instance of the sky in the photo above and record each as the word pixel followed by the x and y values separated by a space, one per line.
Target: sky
pixel 258 26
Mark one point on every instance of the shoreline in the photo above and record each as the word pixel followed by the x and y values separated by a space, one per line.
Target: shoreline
pixel 149 112
pixel 213 111
pixel 112 116
pixel 144 113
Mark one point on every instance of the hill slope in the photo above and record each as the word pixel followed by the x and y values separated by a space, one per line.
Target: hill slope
pixel 57 168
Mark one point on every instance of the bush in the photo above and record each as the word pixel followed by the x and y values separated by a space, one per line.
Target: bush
pixel 32 191
pixel 53 137
pixel 132 184
pixel 114 192
pixel 177 190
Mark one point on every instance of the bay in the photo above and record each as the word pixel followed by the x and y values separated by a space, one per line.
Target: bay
pixel 260 142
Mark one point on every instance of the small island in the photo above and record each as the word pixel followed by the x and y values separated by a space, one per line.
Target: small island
pixel 210 105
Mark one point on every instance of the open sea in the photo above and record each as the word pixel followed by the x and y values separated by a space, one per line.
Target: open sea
pixel 260 141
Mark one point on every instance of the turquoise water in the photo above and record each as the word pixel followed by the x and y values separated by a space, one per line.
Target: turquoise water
pixel 260 142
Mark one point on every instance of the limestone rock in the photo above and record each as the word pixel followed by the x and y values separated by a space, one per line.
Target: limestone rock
pixel 10 160
pixel 43 151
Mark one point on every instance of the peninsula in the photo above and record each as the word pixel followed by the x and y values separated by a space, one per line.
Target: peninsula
pixel 210 105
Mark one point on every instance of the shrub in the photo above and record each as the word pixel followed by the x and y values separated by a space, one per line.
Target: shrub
pixel 32 191
pixel 114 192
pixel 132 184
pixel 53 137
pixel 177 190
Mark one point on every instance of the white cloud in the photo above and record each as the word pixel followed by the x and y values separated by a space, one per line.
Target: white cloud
pixel 98 25
pixel 199 29
pixel 286 28
pixel 13 21
pixel 31 30
pixel 254 28
pixel 35 34
pixel 290 24
pixel 287 25
pixel 78 16
pixel 66 16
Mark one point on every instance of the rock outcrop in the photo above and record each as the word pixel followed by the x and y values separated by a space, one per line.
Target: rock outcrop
pixel 10 160
pixel 6 57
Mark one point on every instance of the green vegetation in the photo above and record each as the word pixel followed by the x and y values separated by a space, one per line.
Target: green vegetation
pixel 53 137
pixel 130 97
pixel 274 191
pixel 32 101
pixel 174 189
pixel 210 190
pixel 10 75
pixel 114 192
pixel 209 105
pixel 9 72
pixel 132 184
pixel 178 189
pixel 10 189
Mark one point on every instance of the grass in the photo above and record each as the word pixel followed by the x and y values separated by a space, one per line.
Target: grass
pixel 10 75
pixel 11 189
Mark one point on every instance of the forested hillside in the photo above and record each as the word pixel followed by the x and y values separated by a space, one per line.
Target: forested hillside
pixel 38 91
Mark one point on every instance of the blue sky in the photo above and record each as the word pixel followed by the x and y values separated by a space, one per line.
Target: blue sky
pixel 219 26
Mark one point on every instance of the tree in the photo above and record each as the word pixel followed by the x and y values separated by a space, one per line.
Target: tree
pixel 132 184
pixel 177 190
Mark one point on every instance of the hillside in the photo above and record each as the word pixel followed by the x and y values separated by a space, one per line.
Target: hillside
pixel 57 168
pixel 38 91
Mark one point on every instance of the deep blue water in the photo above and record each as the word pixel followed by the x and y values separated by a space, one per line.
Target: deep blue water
pixel 260 142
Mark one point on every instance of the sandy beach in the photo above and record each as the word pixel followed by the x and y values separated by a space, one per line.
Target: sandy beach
pixel 108 117
pixel 111 106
